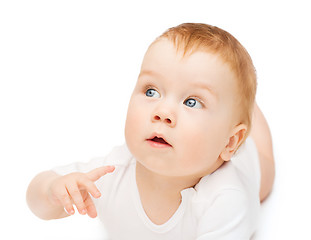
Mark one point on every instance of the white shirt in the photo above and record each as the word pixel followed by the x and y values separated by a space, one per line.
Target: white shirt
pixel 223 205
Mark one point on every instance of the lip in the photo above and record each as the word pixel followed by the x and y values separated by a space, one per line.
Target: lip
pixel 158 141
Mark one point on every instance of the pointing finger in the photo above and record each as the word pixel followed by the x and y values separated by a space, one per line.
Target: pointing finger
pixel 97 173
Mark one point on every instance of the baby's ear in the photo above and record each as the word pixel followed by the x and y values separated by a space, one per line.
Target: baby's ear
pixel 235 140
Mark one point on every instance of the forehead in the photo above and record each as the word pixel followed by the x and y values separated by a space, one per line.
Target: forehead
pixel 199 67
pixel 163 51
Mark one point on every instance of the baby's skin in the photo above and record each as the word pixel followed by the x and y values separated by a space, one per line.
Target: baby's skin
pixel 57 194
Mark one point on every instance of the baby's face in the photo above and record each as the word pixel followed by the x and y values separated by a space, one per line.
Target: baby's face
pixel 180 115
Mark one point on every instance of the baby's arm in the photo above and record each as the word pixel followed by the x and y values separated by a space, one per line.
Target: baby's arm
pixel 261 135
pixel 49 194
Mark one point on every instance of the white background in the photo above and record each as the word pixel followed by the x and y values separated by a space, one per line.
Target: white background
pixel 67 69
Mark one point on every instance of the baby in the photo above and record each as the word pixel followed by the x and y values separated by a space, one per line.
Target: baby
pixel 188 169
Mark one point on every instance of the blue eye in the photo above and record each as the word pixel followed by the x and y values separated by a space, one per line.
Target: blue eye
pixel 190 102
pixel 152 93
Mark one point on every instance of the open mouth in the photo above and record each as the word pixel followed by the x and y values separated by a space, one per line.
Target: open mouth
pixel 159 142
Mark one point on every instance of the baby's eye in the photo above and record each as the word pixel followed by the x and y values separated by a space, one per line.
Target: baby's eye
pixel 152 93
pixel 193 103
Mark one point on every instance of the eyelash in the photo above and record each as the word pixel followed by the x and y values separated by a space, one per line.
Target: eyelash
pixel 197 99
pixel 147 87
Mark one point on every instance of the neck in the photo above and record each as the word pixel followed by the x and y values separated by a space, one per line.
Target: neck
pixel 161 184
pixel 160 195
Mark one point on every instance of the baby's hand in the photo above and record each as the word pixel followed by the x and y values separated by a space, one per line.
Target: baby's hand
pixel 75 188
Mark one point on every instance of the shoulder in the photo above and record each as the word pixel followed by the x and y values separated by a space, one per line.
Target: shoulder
pixel 226 202
pixel 220 193
pixel 235 183
pixel 224 180
pixel 228 213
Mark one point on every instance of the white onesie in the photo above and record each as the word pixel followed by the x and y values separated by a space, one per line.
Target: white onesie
pixel 222 206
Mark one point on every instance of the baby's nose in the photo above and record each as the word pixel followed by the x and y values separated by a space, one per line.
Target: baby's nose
pixel 165 118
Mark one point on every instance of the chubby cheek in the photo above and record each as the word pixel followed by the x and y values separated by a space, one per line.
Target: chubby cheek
pixel 133 126
pixel 199 146
pixel 130 124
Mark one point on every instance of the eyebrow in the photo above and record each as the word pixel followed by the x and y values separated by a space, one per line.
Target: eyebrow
pixel 149 72
pixel 205 86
